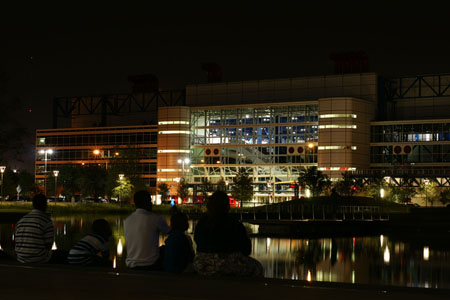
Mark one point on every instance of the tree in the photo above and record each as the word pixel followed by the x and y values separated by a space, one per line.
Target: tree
pixel 403 191
pixel 221 185
pixel 376 183
pixel 314 180
pixel 26 182
pixel 163 191
pixel 346 186
pixel 183 190
pixel 123 190
pixel 206 187
pixel 10 180
pixel 429 188
pixel 444 196
pixel 69 179
pixel 242 188
pixel 92 181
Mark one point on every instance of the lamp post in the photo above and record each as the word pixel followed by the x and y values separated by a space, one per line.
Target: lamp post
pixel 182 162
pixel 45 152
pixel 426 182
pixel 121 176
pixel 2 170
pixel 55 174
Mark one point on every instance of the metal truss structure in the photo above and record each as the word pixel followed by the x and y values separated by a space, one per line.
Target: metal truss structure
pixel 404 177
pixel 115 104
pixel 420 86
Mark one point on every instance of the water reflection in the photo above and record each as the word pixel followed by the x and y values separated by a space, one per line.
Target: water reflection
pixel 367 260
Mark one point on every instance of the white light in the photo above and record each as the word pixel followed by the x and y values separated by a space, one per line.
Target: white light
pixel 187 160
pixel 382 193
pixel 174 132
pixel 50 151
pixel 381 240
pixel 173 122
pixel 54 246
pixel 308 277
pixel 426 253
pixel 114 262
pixel 387 255
pixel 180 161
pixel 308 193
pixel 353 276
pixel 328 116
pixel 173 151
pixel 41 151
pixel 119 248
pixel 335 126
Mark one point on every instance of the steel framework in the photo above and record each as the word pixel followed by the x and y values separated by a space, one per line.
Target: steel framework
pixel 404 177
pixel 116 104
pixel 420 86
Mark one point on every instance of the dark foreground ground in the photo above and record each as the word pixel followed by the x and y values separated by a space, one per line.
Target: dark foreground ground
pixel 54 282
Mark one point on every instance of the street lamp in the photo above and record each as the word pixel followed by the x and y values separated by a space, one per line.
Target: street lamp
pixel 121 176
pixel 97 153
pixel 55 174
pixel 45 152
pixel 426 181
pixel 182 162
pixel 2 170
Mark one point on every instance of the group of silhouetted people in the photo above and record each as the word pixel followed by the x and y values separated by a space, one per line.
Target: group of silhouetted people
pixel 223 246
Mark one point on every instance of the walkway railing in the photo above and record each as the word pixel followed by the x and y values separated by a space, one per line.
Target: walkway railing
pixel 312 212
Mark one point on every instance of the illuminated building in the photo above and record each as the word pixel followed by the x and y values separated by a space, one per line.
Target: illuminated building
pixel 361 123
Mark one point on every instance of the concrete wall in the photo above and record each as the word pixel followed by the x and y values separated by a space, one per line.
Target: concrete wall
pixel 363 86
pixel 173 144
pixel 344 123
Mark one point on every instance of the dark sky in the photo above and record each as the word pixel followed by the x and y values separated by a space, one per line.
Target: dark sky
pixel 91 49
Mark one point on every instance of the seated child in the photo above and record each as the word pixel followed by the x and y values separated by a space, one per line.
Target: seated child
pixel 93 249
pixel 178 250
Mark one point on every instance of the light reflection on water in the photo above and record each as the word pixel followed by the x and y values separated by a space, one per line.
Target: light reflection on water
pixel 366 260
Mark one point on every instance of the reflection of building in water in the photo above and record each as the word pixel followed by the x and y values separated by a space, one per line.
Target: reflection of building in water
pixel 358 260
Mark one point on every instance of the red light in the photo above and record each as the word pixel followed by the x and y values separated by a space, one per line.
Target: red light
pixel 292 186
pixel 30 110
pixel 354 188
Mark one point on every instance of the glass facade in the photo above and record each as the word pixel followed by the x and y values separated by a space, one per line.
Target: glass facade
pixel 429 142
pixel 271 142
pixel 410 132
pixel 115 145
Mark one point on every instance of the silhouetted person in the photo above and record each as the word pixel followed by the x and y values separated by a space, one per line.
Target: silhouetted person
pixel 142 230
pixel 223 247
pixel 178 252
pixel 93 249
pixel 34 234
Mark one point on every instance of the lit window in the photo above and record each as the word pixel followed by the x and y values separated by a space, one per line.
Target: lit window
pixel 330 116
pixel 174 132
pixel 173 122
pixel 336 147
pixel 170 170
pixel 336 169
pixel 173 151
pixel 168 179
pixel 337 126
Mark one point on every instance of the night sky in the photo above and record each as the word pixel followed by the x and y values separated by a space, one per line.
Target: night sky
pixel 71 50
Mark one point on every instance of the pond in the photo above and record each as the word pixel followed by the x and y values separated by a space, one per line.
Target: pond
pixel 380 259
